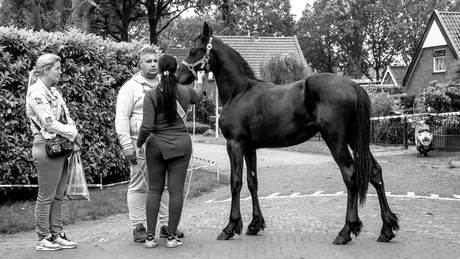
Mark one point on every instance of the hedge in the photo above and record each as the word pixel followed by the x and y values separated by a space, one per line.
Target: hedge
pixel 93 71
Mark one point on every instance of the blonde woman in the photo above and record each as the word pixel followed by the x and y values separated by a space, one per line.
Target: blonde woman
pixel 49 117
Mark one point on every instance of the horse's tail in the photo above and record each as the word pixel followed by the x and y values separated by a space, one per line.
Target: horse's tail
pixel 361 151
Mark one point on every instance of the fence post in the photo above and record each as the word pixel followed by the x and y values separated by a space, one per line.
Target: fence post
pixel 102 186
pixel 405 133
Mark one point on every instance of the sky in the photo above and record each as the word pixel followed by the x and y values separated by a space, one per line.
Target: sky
pixel 297 6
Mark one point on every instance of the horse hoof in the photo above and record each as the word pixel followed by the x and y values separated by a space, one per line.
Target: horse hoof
pixel 339 240
pixel 224 236
pixel 384 238
pixel 252 232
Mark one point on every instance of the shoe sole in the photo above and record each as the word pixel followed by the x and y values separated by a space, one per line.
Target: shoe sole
pixel 42 248
pixel 173 246
pixel 151 246
pixel 139 240
pixel 69 247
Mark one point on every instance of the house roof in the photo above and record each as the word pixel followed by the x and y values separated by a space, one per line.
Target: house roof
pixel 396 73
pixel 254 49
pixel 180 54
pixel 445 25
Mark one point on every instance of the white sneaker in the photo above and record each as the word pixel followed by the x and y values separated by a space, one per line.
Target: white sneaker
pixel 150 242
pixel 65 243
pixel 47 244
pixel 173 241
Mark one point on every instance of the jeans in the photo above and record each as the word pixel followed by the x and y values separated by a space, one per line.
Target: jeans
pixel 53 175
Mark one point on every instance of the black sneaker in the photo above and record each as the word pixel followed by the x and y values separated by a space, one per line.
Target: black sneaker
pixel 139 233
pixel 164 232
pixel 173 241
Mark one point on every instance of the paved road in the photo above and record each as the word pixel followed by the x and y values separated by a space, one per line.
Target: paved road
pixel 304 208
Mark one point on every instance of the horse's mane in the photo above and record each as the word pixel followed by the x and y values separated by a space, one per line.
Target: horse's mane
pixel 236 56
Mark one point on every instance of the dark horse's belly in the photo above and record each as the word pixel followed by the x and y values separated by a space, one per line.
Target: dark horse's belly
pixel 274 117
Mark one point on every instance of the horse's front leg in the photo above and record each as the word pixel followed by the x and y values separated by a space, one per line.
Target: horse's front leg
pixel 258 221
pixel 235 224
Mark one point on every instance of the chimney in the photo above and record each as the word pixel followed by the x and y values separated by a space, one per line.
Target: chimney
pixel 255 35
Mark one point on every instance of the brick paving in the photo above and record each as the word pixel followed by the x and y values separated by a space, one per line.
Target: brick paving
pixel 298 224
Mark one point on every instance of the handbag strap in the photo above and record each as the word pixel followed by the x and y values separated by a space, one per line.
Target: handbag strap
pixel 181 112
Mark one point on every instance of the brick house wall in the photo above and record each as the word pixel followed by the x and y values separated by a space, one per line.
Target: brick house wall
pixel 423 73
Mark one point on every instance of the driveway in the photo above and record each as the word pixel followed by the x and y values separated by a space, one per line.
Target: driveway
pixel 302 199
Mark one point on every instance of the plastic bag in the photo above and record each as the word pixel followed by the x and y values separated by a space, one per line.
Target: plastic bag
pixel 77 189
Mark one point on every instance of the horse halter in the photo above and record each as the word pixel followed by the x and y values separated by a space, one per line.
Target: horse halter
pixel 204 61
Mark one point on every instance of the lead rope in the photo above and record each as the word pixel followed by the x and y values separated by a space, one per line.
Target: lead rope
pixel 193 150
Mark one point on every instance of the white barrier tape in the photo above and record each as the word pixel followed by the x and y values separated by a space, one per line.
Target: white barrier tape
pixel 205 160
pixel 414 115
pixel 36 186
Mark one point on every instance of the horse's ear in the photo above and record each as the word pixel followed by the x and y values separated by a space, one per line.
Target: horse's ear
pixel 207 31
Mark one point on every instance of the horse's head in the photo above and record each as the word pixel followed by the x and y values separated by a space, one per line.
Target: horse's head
pixel 198 58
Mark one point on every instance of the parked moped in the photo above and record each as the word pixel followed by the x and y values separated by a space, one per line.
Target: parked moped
pixel 423 138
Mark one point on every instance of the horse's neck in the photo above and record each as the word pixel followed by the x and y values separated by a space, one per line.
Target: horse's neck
pixel 230 76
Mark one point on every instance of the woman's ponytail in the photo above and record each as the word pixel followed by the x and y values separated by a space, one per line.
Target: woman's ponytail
pixel 167 93
pixel 32 76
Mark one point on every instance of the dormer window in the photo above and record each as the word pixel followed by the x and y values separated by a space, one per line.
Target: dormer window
pixel 439 60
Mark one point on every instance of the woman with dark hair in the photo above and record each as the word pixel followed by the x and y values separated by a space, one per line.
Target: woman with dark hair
pixel 168 145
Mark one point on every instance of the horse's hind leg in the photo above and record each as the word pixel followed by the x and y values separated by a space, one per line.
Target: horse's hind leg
pixel 346 164
pixel 390 220
pixel 235 224
pixel 258 221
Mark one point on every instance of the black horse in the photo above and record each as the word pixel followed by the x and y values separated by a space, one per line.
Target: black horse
pixel 257 114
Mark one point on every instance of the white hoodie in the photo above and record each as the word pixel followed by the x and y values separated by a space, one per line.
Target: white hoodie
pixel 128 118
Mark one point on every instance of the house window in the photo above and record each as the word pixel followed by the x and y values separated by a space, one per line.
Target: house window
pixel 439 60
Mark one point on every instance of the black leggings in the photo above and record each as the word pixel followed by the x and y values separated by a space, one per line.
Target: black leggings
pixel 157 167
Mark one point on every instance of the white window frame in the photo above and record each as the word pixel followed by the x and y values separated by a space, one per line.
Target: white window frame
pixel 437 59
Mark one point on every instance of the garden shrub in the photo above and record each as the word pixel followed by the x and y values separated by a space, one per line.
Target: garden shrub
pixel 93 70
pixel 284 69
pixel 442 98
pixel 382 104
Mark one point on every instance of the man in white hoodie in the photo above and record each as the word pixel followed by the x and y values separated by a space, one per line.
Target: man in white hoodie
pixel 128 119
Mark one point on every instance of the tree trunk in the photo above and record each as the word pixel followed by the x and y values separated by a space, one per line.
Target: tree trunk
pixel 152 19
pixel 81 14
pixel 63 14
pixel 35 5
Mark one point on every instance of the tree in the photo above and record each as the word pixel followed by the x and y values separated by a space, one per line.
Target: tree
pixel 48 15
pixel 81 14
pixel 160 14
pixel 113 18
pixel 270 18
pixel 355 36
pixel 317 35
pixel 182 30
pixel 412 19
pixel 382 40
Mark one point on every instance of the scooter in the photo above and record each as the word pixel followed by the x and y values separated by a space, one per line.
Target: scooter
pixel 423 138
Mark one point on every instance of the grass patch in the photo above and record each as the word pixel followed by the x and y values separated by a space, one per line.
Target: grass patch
pixel 109 201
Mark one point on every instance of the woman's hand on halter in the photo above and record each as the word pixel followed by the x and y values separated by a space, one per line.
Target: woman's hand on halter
pixel 200 76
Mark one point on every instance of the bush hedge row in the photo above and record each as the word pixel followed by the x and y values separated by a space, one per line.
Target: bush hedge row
pixel 93 71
